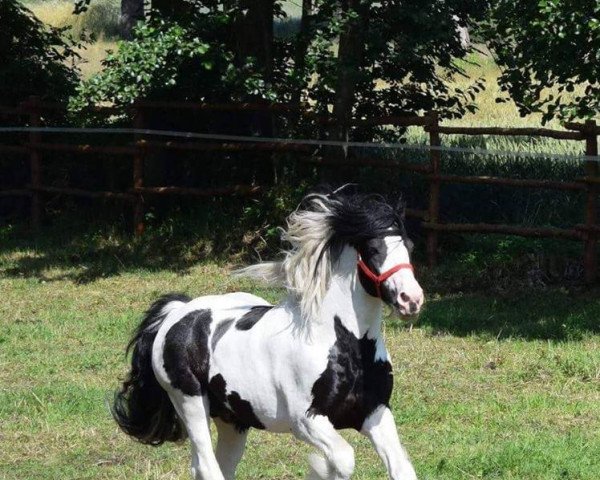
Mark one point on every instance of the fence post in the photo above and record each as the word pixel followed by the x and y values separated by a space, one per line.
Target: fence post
pixel 138 174
pixel 434 190
pixel 590 260
pixel 35 162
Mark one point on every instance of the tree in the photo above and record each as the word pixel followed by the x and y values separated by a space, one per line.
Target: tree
pixel 547 49
pixel 34 59
pixel 394 57
pixel 350 58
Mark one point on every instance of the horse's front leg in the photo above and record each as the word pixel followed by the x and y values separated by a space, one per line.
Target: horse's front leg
pixel 380 428
pixel 338 460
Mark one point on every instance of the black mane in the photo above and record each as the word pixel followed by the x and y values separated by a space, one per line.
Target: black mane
pixel 357 217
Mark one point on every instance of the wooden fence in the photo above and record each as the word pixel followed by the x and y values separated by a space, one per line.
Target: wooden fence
pixel 588 132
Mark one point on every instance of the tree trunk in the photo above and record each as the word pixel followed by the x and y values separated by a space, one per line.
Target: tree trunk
pixel 132 11
pixel 350 55
pixel 302 43
pixel 254 34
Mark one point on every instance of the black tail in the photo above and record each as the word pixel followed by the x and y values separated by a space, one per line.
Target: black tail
pixel 141 407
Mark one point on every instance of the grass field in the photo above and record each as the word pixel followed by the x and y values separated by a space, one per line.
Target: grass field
pixel 485 387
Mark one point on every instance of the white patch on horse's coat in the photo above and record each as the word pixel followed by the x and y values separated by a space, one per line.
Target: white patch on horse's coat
pixel 230 448
pixel 381 353
pixel 222 307
pixel 320 469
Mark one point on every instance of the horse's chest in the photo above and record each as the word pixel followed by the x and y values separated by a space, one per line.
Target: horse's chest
pixel 354 383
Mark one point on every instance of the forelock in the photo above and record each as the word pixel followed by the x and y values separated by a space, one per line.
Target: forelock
pixel 358 217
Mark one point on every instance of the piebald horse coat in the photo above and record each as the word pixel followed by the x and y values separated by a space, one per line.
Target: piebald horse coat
pixel 309 366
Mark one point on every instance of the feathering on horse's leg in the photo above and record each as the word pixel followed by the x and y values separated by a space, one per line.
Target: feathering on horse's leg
pixel 339 455
pixel 380 428
pixel 319 468
pixel 231 444
pixel 193 411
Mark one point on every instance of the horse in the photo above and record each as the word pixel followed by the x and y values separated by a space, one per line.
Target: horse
pixel 311 365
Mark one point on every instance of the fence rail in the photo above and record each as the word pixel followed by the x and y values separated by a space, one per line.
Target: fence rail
pixel 589 232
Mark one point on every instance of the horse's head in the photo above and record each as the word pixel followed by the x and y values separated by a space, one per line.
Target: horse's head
pixel 327 224
pixel 385 271
pixel 376 230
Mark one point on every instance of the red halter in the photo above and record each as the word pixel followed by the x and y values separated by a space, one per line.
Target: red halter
pixel 379 279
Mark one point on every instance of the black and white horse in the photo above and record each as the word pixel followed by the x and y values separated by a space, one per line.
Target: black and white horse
pixel 312 365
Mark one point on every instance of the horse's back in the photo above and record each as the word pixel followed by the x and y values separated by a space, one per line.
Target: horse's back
pixel 225 302
pixel 185 337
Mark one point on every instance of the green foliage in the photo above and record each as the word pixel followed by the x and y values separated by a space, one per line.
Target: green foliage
pixel 548 44
pixel 149 64
pixel 408 60
pixel 408 54
pixel 34 59
pixel 165 61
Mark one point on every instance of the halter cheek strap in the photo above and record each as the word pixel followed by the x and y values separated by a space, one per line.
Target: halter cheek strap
pixel 379 279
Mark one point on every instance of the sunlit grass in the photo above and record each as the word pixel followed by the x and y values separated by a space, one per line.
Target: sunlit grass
pixel 101 17
pixel 486 386
pixel 101 20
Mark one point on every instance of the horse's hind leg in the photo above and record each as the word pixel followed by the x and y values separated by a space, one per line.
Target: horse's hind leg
pixel 193 411
pixel 230 447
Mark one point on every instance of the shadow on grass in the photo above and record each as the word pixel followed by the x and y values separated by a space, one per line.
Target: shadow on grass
pixel 84 253
pixel 553 314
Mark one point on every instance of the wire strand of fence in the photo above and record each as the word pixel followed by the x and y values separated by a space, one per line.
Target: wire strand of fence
pixel 303 141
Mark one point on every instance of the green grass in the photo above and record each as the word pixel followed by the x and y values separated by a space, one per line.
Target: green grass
pixel 486 385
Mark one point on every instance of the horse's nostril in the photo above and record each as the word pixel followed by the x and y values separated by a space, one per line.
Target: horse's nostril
pixel 404 297
pixel 412 307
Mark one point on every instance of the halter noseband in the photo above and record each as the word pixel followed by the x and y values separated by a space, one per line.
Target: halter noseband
pixel 379 279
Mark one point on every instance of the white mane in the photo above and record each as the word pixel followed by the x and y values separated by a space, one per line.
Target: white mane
pixel 306 267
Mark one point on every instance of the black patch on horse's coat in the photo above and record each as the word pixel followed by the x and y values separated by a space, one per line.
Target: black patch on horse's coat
pixel 231 408
pixel 354 384
pixel 249 319
pixel 220 330
pixel 154 316
pixel 186 355
pixel 374 252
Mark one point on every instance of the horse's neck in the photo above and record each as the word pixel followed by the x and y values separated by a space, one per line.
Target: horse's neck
pixel 358 311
